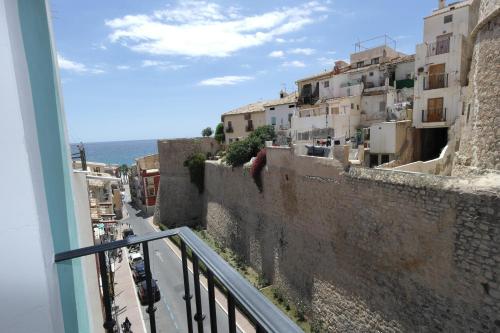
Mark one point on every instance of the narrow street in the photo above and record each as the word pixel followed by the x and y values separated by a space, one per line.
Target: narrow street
pixel 166 268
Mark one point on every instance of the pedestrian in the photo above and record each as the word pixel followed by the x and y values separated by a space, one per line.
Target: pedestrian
pixel 126 325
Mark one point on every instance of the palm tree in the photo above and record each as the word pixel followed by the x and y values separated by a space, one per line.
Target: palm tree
pixel 124 171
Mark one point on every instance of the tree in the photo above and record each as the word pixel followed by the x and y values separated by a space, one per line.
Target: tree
pixel 240 152
pixel 207 131
pixel 124 172
pixel 196 165
pixel 219 133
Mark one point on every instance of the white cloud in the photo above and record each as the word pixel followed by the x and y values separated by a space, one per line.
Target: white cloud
pixel 327 61
pixel 225 80
pixel 305 51
pixel 294 63
pixel 201 28
pixel 163 65
pixel 277 54
pixel 122 67
pixel 76 67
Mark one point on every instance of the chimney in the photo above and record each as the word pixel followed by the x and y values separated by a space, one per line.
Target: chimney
pixel 442 4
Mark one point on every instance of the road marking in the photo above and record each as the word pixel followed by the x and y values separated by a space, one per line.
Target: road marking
pixel 158 254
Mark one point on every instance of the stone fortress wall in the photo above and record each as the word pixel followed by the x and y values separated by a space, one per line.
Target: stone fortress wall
pixel 179 199
pixel 480 143
pixel 367 249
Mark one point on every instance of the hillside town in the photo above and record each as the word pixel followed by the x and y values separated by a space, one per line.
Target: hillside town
pixel 366 199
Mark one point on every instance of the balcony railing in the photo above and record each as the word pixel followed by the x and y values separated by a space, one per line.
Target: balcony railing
pixel 435 81
pixel 240 293
pixel 434 115
pixel 438 47
pixel 249 128
pixel 229 130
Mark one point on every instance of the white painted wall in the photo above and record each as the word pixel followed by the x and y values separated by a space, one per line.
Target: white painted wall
pixel 404 69
pixel 454 66
pixel 383 138
pixel 281 113
pixel 434 25
pixel 29 285
pixel 86 238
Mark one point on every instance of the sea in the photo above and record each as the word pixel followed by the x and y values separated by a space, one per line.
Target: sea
pixel 117 152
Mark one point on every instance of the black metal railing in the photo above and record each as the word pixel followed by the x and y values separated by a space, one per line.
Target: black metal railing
pixel 434 115
pixel 229 129
pixel 239 292
pixel 435 81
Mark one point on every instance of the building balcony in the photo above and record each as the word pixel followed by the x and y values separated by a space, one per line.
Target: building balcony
pixel 249 128
pixel 435 81
pixel 240 294
pixel 434 116
pixel 229 130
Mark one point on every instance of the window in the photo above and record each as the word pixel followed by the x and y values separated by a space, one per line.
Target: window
pixel 230 140
pixel 375 61
pixel 468 112
pixel 348 91
pixel 360 64
pixel 357 106
pixel 384 158
pixel 448 18
pixel 371 73
pixel 352 106
pixel 326 84
pixel 271 108
pixel 229 124
pixel 248 116
pixel 273 120
pixel 291 106
pixel 290 118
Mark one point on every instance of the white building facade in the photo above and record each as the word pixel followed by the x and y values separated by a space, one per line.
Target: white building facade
pixel 279 112
pixel 441 67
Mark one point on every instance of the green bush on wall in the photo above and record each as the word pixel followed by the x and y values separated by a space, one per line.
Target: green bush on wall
pixel 196 165
pixel 240 152
pixel 219 133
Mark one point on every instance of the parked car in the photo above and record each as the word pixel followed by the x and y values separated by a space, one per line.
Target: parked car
pixel 139 272
pixel 127 232
pixel 134 258
pixel 142 292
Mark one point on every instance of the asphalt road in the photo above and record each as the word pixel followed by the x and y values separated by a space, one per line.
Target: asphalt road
pixel 166 268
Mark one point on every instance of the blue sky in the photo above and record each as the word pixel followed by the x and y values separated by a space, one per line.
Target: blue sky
pixel 163 69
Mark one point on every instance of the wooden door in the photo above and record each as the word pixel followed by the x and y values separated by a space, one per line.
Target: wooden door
pixel 436 76
pixel 435 109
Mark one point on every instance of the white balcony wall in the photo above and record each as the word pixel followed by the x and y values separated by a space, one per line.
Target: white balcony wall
pixel 30 300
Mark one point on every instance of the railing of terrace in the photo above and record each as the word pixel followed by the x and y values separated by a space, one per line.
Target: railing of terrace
pixel 239 292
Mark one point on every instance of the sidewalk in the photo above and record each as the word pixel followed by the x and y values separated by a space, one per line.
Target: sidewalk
pixel 126 300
